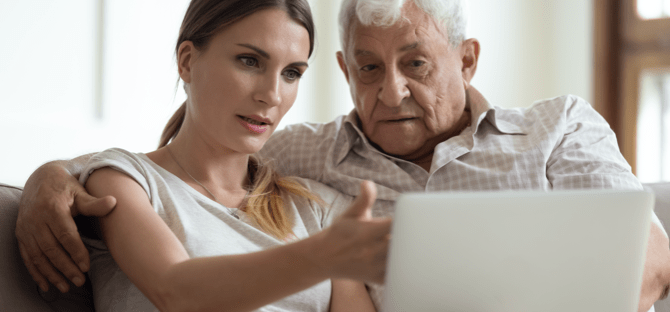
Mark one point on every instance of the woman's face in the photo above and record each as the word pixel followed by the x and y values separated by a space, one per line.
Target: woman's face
pixel 243 83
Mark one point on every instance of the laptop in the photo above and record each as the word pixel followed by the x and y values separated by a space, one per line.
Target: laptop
pixel 518 251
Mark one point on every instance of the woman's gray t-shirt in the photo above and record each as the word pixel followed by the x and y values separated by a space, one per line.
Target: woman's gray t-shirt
pixel 204 227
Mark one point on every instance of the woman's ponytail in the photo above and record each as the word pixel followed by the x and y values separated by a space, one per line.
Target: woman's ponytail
pixel 173 126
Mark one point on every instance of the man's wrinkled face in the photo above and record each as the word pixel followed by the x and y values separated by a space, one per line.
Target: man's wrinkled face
pixel 406 82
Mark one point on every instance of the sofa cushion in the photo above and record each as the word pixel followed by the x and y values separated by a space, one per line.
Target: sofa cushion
pixel 18 291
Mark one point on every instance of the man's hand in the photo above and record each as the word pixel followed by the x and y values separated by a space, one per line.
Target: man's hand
pixel 47 235
pixel 656 276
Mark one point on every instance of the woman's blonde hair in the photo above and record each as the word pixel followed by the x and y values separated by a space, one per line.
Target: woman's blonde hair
pixel 203 19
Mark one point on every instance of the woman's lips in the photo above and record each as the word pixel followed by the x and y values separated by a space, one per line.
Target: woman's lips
pixel 253 128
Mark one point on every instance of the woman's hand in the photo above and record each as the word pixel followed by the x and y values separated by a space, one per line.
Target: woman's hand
pixel 47 235
pixel 356 245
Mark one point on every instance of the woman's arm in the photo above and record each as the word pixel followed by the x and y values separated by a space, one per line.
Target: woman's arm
pixel 157 263
pixel 350 295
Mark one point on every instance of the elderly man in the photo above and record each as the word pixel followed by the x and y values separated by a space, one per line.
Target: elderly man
pixel 418 125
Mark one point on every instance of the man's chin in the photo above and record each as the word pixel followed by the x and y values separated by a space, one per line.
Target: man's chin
pixel 400 149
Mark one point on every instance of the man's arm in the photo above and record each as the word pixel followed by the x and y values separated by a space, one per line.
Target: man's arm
pixel 588 156
pixel 656 276
pixel 48 239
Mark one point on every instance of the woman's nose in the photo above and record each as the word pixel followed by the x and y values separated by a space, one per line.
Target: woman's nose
pixel 269 91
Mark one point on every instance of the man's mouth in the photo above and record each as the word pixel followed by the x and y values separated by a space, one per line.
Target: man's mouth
pixel 402 119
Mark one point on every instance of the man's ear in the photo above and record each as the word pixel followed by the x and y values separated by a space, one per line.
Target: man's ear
pixel 343 64
pixel 185 57
pixel 469 57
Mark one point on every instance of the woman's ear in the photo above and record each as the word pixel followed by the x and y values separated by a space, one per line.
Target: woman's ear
pixel 185 57
pixel 469 57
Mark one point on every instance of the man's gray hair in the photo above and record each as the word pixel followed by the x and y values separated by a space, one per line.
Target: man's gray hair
pixel 451 14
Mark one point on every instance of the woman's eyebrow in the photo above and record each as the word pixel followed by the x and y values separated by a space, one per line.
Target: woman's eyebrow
pixel 267 55
pixel 257 49
pixel 299 64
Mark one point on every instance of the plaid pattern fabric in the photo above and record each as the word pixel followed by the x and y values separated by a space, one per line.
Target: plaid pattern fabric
pixel 560 143
pixel 556 144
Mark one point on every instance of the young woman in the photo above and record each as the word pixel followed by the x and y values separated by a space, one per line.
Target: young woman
pixel 202 225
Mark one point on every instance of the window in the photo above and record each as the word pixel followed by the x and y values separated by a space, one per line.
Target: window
pixel 653 126
pixel 651 9
pixel 632 79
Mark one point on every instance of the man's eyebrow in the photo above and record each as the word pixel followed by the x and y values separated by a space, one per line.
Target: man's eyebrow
pixel 255 48
pixel 410 46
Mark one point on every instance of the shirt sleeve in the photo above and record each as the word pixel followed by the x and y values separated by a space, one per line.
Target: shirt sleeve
pixel 587 156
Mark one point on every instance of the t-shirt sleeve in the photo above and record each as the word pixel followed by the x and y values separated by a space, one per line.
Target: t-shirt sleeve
pixel 122 161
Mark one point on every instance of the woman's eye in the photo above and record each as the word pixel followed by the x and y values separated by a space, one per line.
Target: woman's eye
pixel 249 61
pixel 292 75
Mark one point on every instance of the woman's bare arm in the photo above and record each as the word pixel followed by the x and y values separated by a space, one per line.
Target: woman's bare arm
pixel 47 235
pixel 154 259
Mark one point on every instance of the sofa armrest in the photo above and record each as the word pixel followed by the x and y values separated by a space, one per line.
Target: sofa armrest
pixel 18 291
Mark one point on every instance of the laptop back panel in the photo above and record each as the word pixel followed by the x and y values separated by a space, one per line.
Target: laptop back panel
pixel 518 251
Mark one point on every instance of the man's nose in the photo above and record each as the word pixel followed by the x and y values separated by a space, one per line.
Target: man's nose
pixel 269 90
pixel 394 88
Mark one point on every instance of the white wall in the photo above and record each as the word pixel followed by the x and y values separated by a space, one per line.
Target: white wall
pixel 531 49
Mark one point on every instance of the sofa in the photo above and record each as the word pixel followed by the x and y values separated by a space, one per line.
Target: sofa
pixel 18 292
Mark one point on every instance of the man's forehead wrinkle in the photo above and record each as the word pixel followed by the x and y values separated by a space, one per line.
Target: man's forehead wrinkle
pixel 361 52
pixel 409 47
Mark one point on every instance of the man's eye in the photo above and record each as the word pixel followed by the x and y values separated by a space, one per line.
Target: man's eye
pixel 417 63
pixel 368 68
pixel 249 61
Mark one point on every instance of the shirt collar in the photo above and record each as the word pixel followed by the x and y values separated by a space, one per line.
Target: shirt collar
pixel 349 136
pixel 481 110
pixel 479 107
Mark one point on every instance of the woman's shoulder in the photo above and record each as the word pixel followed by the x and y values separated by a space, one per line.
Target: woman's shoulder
pixel 134 165
pixel 116 155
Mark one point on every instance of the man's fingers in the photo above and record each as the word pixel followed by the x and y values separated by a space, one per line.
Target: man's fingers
pixel 363 203
pixel 92 206
pixel 65 231
pixel 32 269
pixel 38 259
pixel 57 257
pixel 72 243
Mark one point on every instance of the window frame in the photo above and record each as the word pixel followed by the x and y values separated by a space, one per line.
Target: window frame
pixel 625 45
